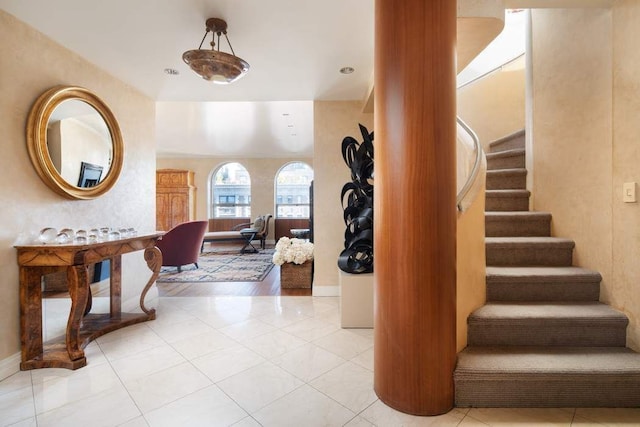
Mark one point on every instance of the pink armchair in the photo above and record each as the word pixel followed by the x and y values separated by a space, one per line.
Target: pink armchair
pixel 181 245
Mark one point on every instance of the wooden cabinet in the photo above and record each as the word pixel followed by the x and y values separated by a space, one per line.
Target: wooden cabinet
pixel 175 198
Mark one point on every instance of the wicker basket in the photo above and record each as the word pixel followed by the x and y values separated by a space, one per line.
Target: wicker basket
pixel 295 275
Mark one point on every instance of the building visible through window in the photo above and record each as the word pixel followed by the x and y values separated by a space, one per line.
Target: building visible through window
pixel 231 188
pixel 292 190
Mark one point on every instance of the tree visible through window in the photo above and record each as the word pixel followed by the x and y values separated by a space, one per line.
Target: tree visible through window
pixel 231 192
pixel 292 190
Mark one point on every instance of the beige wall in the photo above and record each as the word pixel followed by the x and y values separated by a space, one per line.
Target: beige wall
pixel 470 266
pixel 585 127
pixel 494 105
pixel 333 120
pixel 261 171
pixel 623 286
pixel 33 64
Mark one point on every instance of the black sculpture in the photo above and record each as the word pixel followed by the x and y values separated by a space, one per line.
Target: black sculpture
pixel 357 256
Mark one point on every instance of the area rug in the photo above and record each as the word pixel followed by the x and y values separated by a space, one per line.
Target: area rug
pixel 222 267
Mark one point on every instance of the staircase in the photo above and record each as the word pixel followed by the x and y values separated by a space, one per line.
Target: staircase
pixel 542 339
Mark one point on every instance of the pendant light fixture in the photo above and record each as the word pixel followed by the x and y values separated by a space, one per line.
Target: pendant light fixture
pixel 214 65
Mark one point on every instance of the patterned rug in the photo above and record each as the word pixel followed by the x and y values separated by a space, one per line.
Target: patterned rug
pixel 222 267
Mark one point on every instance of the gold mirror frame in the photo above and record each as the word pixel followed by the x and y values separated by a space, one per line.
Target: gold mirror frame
pixel 37 141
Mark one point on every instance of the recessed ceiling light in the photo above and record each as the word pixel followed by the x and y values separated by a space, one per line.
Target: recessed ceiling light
pixel 347 70
pixel 171 71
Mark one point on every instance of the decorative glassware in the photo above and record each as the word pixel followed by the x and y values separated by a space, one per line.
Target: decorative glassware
pixel 69 232
pixel 113 235
pixel 48 235
pixel 63 238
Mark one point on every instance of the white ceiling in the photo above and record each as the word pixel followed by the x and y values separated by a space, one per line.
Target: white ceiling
pixel 295 49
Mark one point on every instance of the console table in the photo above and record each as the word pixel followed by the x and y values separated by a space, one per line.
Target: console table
pixel 36 261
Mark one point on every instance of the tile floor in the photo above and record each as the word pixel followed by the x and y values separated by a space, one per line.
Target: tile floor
pixel 240 361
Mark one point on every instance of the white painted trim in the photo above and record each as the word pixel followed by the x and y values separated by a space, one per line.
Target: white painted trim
pixel 9 366
pixel 326 291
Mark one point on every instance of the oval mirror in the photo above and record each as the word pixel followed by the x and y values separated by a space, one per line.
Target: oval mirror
pixel 74 142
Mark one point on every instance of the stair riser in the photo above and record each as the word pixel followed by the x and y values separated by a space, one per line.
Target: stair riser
pixel 509 144
pixel 532 255
pixel 506 204
pixel 575 334
pixel 551 292
pixel 515 181
pixel 523 227
pixel 511 162
pixel 559 391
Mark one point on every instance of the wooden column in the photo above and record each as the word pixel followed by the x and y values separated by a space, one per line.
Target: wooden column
pixel 415 202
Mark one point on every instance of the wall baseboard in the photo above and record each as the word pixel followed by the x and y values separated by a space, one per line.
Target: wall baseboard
pixel 9 366
pixel 326 291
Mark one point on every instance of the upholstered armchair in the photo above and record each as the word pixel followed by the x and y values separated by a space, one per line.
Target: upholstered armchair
pixel 181 245
pixel 261 224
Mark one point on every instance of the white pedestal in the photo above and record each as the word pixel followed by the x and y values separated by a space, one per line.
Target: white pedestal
pixel 356 300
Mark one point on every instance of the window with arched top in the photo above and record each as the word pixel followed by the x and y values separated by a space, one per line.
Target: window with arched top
pixel 293 183
pixel 231 192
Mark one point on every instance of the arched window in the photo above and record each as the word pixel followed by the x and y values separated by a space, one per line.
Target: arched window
pixel 292 190
pixel 231 192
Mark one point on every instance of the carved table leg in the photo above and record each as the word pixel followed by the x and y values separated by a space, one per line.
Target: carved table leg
pixel 30 313
pixel 153 257
pixel 78 282
pixel 115 288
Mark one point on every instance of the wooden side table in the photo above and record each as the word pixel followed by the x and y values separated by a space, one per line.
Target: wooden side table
pixel 38 260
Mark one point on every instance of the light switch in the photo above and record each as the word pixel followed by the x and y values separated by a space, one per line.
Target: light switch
pixel 629 192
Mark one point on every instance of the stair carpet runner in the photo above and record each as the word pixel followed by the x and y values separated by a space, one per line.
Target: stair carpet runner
pixel 542 339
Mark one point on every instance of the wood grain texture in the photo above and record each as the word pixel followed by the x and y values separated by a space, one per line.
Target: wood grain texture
pixel 38 260
pixel 415 217
pixel 226 224
pixel 175 198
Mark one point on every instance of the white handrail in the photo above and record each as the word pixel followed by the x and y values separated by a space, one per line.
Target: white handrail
pixel 478 161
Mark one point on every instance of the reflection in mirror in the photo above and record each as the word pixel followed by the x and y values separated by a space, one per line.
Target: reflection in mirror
pixel 74 142
pixel 78 136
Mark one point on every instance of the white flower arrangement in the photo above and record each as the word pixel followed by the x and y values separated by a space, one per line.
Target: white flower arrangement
pixel 297 251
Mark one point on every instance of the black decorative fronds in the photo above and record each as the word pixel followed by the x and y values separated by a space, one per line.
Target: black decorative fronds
pixel 357 203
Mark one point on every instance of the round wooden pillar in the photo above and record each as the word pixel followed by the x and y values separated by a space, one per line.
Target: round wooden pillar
pixel 415 205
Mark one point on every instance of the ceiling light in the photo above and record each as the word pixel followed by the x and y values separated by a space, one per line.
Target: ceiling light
pixel 171 71
pixel 347 70
pixel 214 65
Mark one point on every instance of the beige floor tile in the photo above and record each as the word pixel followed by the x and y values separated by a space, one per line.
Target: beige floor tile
pixel 259 386
pixel 348 384
pixel 16 405
pixel 108 408
pixel 380 414
pixel 608 416
pixel 523 417
pixel 228 362
pixel 158 389
pixel 308 362
pixel 206 407
pixel 303 407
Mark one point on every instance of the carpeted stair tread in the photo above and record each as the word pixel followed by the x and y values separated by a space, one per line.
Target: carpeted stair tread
pixel 542 360
pixel 541 274
pixel 548 312
pixel 557 377
pixel 507 200
pixel 542 284
pixel 517 224
pixel 503 179
pixel 534 251
pixel 586 324
pixel 507 159
pixel 508 142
